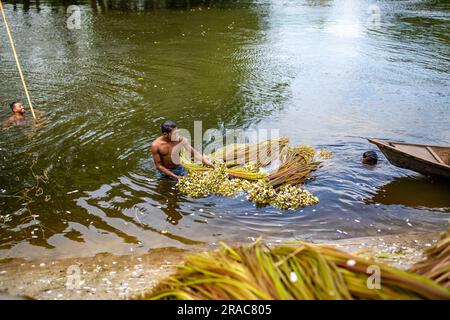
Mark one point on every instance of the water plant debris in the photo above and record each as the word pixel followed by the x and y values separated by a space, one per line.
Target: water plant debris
pixel 243 168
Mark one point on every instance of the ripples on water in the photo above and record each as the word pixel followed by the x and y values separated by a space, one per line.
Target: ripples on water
pixel 313 69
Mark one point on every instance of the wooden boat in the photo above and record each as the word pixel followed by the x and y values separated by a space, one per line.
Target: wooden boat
pixel 425 159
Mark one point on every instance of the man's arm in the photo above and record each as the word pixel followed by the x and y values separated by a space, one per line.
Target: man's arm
pixel 196 154
pixel 158 164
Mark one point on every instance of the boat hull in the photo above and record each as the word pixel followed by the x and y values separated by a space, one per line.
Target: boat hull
pixel 410 161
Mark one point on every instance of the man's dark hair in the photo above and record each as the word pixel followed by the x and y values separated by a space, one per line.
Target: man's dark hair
pixel 167 126
pixel 13 104
pixel 370 157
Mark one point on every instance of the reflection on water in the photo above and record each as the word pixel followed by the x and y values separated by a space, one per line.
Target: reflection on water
pixel 124 5
pixel 312 69
pixel 415 192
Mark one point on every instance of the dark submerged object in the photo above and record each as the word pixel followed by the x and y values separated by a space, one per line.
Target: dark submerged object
pixel 425 159
pixel 370 157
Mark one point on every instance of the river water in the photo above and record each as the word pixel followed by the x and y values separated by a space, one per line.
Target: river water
pixel 326 73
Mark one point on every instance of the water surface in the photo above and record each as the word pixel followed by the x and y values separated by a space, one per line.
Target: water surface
pixel 319 71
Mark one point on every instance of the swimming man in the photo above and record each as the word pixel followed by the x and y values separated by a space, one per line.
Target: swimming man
pixel 18 114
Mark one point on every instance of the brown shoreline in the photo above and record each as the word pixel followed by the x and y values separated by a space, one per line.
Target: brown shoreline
pixel 108 276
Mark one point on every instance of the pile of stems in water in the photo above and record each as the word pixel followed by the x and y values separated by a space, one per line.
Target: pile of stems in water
pixel 279 188
pixel 260 154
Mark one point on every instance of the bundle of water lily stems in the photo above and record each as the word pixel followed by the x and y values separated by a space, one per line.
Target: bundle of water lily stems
pixel 243 168
pixel 301 272
pixel 260 154
pixel 436 266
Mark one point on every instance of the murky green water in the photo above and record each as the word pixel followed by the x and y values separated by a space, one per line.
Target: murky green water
pixel 316 70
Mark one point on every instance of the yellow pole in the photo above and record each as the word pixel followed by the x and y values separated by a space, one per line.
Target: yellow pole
pixel 17 59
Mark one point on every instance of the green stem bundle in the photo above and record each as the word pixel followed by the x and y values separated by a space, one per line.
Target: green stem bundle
pixel 302 272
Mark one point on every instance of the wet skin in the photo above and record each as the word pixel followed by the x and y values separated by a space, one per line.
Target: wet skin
pixel 17 117
pixel 166 153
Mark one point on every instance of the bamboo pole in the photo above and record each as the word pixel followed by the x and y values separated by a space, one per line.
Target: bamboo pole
pixel 19 68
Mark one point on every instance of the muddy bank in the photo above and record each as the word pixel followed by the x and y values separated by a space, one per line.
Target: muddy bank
pixel 107 276
pixel 104 276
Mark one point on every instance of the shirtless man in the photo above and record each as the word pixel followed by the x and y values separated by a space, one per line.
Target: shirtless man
pixel 19 119
pixel 166 152
pixel 18 116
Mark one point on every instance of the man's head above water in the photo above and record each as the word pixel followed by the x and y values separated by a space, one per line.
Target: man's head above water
pixel 370 157
pixel 17 107
pixel 169 130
